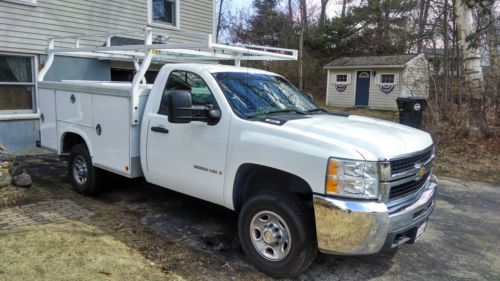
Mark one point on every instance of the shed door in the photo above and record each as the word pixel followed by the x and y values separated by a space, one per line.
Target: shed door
pixel 362 88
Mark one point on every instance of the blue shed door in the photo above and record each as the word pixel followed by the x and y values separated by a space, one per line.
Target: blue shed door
pixel 362 88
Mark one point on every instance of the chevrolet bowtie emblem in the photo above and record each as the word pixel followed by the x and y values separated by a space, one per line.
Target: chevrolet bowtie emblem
pixel 421 170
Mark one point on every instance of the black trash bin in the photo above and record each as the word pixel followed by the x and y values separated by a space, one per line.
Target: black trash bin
pixel 410 110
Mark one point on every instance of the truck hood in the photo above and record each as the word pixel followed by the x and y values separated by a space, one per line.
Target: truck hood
pixel 374 139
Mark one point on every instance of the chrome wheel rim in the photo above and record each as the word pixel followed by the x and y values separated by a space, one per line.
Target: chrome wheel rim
pixel 270 235
pixel 80 170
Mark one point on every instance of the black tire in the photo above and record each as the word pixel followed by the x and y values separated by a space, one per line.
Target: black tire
pixel 300 221
pixel 80 153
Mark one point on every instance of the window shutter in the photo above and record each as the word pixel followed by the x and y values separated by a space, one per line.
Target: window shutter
pixel 396 78
pixel 348 78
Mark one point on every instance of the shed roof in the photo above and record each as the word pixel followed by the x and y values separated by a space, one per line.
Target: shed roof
pixel 368 61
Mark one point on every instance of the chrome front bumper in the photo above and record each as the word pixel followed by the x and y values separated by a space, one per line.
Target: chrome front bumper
pixel 357 227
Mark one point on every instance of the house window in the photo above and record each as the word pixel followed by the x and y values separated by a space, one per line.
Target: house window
pixel 17 84
pixel 387 78
pixel 342 78
pixel 164 12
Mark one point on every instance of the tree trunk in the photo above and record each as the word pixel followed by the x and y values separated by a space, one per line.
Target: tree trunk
pixel 475 118
pixel 492 38
pixel 344 6
pixel 446 55
pixel 301 59
pixel 219 18
pixel 322 16
pixel 303 13
pixel 422 20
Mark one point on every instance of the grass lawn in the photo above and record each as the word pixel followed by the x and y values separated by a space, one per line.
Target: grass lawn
pixel 71 251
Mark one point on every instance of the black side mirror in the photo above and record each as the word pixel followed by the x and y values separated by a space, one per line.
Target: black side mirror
pixel 180 107
pixel 213 115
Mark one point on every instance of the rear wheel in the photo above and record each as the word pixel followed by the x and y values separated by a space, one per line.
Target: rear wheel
pixel 83 175
pixel 277 233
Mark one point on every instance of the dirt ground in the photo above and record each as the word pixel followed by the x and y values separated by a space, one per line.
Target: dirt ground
pixel 145 232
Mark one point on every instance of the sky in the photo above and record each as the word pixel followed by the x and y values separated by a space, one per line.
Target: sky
pixel 333 6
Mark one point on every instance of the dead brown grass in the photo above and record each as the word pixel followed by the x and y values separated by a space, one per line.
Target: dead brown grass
pixel 71 251
pixel 11 195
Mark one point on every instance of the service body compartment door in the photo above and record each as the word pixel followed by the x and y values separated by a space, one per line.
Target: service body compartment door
pixel 48 129
pixel 74 107
pixel 111 133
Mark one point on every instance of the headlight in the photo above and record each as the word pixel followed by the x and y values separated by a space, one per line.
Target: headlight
pixel 356 179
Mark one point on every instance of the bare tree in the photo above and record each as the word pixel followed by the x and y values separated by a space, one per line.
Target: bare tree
pixel 422 20
pixel 322 15
pixel 219 18
pixel 344 6
pixel 475 118
pixel 303 13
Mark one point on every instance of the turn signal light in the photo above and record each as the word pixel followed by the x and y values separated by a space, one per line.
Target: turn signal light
pixel 331 184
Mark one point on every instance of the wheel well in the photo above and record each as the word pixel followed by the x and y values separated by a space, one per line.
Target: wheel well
pixel 70 140
pixel 252 178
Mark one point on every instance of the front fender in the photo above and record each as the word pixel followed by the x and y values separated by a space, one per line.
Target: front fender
pixel 281 148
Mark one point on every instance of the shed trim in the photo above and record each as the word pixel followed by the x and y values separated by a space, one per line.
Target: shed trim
pixel 363 66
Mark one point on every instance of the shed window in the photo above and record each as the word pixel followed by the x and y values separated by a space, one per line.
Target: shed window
pixel 17 84
pixel 387 78
pixel 164 12
pixel 342 78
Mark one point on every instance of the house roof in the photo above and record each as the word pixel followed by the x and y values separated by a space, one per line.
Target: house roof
pixel 369 61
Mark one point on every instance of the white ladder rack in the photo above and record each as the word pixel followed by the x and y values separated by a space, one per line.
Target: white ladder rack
pixel 144 54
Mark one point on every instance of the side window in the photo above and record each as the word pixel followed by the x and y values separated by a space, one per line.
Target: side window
pixel 186 81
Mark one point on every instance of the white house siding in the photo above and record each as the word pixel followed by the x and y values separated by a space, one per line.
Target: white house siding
pixel 25 28
pixel 341 99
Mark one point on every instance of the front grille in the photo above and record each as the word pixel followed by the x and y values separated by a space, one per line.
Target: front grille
pixel 407 164
pixel 407 187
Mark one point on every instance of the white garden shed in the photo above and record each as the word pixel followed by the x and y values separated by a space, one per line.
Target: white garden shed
pixel 376 81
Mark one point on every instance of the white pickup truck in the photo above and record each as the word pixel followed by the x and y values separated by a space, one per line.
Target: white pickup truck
pixel 301 178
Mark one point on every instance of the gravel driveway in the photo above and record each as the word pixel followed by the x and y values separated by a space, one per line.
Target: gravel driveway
pixel 462 241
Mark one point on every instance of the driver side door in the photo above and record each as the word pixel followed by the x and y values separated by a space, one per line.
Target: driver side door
pixel 189 158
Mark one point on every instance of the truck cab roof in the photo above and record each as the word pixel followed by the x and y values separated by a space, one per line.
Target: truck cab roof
pixel 215 68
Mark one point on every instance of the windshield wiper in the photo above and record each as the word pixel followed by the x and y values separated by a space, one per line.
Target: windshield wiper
pixel 317 110
pixel 287 110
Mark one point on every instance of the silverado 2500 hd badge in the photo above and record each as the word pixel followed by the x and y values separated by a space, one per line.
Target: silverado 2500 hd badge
pixel 215 172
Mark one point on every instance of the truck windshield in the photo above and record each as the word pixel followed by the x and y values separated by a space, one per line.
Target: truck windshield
pixel 252 94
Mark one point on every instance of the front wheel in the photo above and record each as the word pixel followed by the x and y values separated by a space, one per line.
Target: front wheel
pixel 277 233
pixel 83 175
